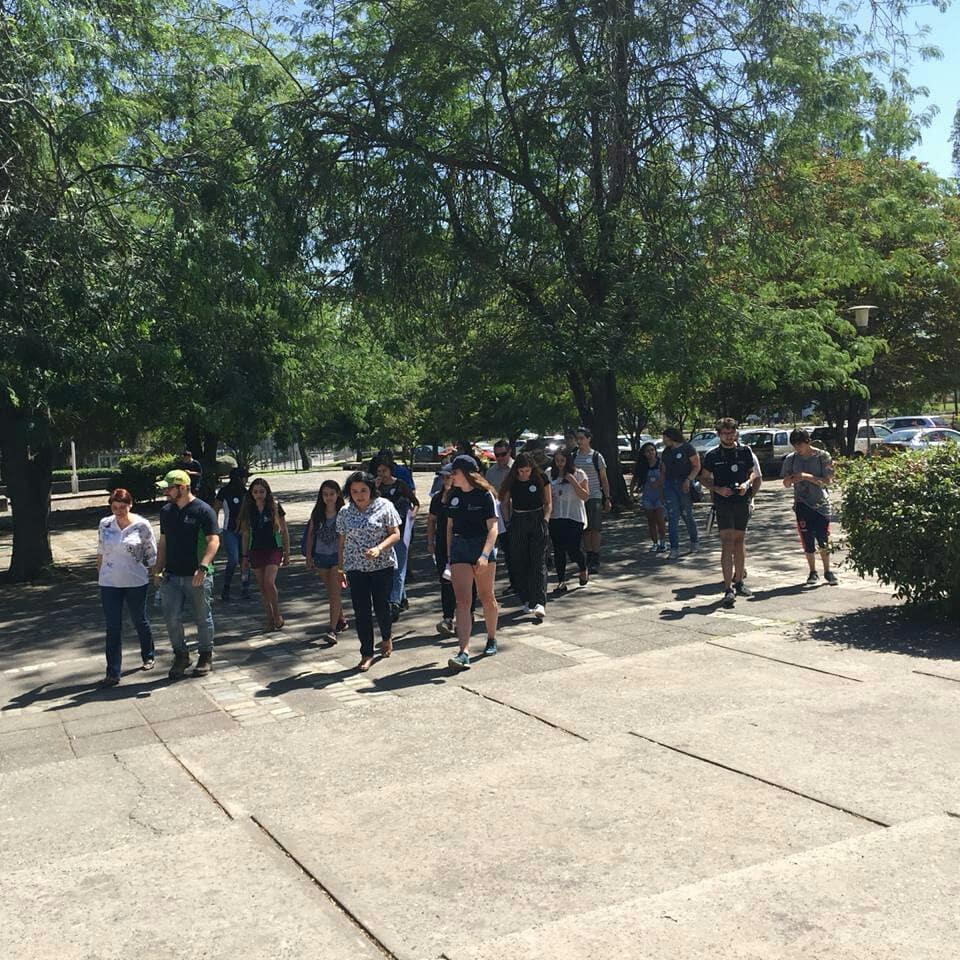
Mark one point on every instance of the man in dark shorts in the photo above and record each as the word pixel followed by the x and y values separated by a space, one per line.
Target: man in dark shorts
pixel 189 540
pixel 810 471
pixel 729 473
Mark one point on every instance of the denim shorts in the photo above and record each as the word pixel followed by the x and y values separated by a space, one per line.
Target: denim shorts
pixel 324 561
pixel 468 550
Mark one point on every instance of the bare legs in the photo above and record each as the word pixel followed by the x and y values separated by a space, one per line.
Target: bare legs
pixel 267 582
pixel 464 576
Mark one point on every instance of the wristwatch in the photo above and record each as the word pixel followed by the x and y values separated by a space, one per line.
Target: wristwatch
pixel 486 556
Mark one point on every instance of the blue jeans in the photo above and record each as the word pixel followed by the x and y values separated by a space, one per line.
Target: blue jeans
pixel 177 593
pixel 231 542
pixel 399 573
pixel 679 503
pixel 113 599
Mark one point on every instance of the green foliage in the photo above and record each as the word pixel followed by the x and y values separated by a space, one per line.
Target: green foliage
pixel 83 473
pixel 139 473
pixel 901 519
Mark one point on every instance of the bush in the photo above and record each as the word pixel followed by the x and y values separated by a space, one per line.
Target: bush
pixel 83 473
pixel 138 473
pixel 901 521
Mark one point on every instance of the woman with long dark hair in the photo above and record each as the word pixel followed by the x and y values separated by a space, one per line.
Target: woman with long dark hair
pixel 322 549
pixel 368 528
pixel 526 498
pixel 126 549
pixel 569 489
pixel 472 529
pixel 648 479
pixel 265 545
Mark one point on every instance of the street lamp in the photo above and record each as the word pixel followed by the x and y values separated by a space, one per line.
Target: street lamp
pixel 861 320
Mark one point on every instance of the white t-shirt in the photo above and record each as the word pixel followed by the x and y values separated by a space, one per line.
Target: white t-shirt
pixel 566 504
pixel 127 554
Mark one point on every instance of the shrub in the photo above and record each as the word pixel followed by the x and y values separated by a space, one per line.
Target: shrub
pixel 83 473
pixel 138 473
pixel 901 521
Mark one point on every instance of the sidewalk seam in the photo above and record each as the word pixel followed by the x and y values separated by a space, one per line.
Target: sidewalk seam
pixel 335 900
pixel 198 781
pixel 788 663
pixel 526 713
pixel 753 776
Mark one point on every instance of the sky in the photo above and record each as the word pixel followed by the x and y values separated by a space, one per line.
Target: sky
pixel 942 77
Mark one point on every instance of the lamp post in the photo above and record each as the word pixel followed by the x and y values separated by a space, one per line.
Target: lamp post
pixel 861 320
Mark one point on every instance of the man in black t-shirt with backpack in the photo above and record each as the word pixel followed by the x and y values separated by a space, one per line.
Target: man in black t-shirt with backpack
pixel 729 472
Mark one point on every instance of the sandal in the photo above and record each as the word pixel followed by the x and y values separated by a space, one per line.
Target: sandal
pixel 331 637
pixel 365 664
pixel 386 648
pixel 278 624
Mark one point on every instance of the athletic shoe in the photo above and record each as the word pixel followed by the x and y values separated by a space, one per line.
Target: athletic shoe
pixel 204 663
pixel 674 554
pixel 460 662
pixel 445 628
pixel 525 608
pixel 149 664
pixel 404 604
pixel 831 578
pixel 108 681
pixel 179 667
pixel 661 547
pixel 742 589
pixel 654 548
pixel 729 598
pixel 394 612
pixel 539 611
pixel 695 546
pixel 491 648
pixel 561 588
pixel 813 578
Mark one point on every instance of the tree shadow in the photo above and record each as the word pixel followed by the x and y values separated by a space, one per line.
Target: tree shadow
pixel 888 629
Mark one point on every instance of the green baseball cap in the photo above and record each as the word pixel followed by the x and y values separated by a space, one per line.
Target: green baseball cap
pixel 175 478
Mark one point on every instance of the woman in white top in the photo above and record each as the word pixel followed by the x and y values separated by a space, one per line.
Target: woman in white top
pixel 570 489
pixel 126 549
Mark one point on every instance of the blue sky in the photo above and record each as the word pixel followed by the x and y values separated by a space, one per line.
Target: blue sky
pixel 941 76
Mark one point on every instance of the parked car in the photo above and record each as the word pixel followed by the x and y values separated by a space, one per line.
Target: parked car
pixel 919 438
pixel 770 446
pixel 702 440
pixel 826 438
pixel 922 420
pixel 423 453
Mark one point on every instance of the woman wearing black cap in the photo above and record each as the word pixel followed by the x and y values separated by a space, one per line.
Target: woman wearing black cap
pixel 472 528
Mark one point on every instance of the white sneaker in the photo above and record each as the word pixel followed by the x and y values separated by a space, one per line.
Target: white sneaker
pixel 539 611
pixel 526 608
pixel 674 554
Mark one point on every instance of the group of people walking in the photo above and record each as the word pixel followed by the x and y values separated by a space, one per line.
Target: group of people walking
pixel 359 537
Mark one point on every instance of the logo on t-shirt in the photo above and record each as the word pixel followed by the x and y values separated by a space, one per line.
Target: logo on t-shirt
pixel 532 488
pixel 455 502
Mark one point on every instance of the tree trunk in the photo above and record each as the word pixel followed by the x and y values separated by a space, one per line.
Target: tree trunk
pixel 855 407
pixel 305 460
pixel 27 471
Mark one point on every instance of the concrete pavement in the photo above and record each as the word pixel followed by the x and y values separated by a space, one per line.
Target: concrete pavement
pixel 642 775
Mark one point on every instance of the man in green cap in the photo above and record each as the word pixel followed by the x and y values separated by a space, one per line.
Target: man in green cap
pixel 189 540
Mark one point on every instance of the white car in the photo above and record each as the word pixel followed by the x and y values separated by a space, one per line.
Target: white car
pixel 923 420
pixel 920 438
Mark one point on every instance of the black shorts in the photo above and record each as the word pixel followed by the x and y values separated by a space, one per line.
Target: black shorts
pixel 733 513
pixel 813 527
pixel 468 550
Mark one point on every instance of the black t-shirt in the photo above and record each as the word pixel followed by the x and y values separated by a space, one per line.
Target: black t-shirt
pixel 729 466
pixel 676 461
pixel 526 496
pixel 263 533
pixel 470 511
pixel 231 497
pixel 399 494
pixel 438 509
pixel 194 469
pixel 185 532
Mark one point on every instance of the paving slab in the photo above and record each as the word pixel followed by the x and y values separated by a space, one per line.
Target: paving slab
pixel 61 809
pixel 113 740
pixel 218 894
pixel 662 686
pixel 887 895
pixel 328 756
pixel 503 845
pixel 866 665
pixel 888 751
pixel 199 725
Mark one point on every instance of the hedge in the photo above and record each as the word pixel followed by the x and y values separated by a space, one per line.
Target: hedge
pixel 83 473
pixel 901 521
pixel 139 473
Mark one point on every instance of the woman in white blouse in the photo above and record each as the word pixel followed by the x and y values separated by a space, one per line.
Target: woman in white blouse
pixel 126 550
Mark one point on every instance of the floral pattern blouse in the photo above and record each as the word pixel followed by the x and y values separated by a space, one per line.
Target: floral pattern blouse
pixel 126 554
pixel 361 531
